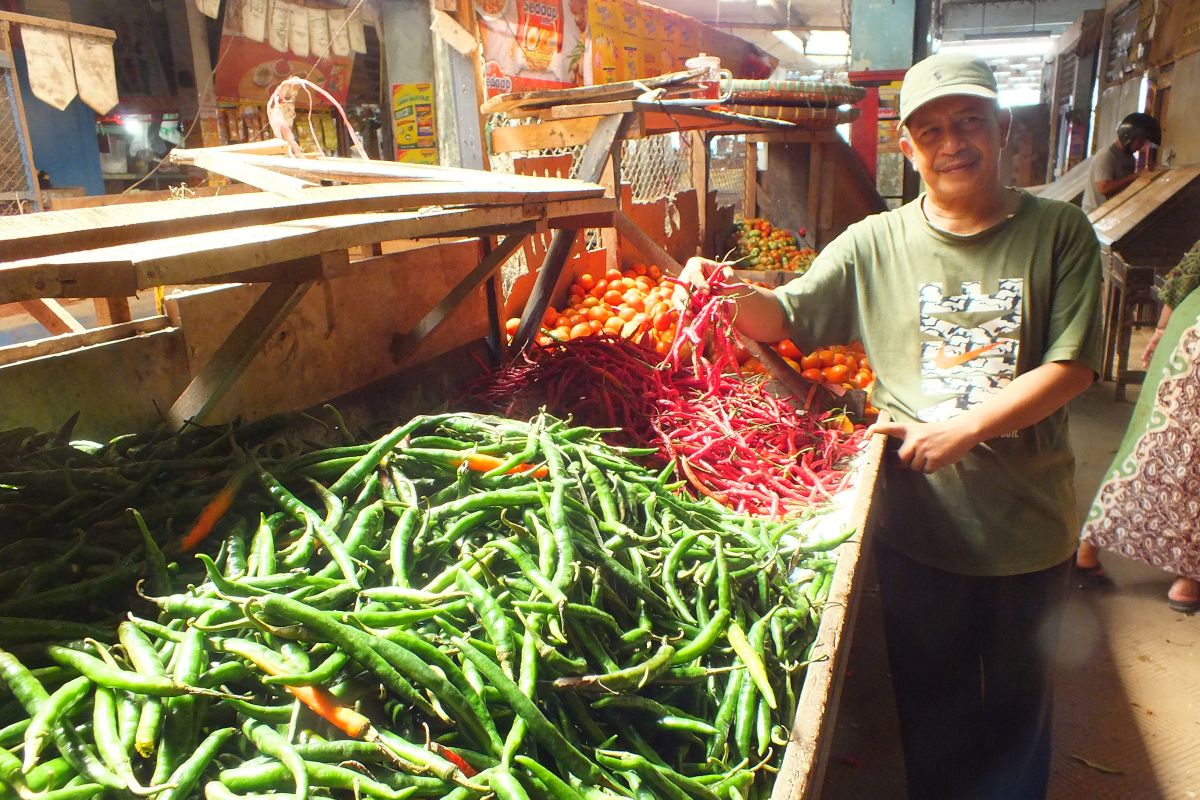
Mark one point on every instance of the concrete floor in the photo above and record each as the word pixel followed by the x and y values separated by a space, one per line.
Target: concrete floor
pixel 1127 704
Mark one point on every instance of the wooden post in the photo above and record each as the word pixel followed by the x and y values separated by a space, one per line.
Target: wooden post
pixel 750 189
pixel 202 68
pixel 611 181
pixel 592 161
pixel 812 207
pixel 112 310
pixel 235 353
pixel 404 345
pixel 700 177
pixel 52 316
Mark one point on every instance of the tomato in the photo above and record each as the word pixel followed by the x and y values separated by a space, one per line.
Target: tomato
pixel 561 333
pixel 788 349
pixel 662 321
pixel 575 299
pixel 864 362
pixel 550 315
pixel 613 325
pixel 863 379
pixel 810 362
pixel 654 272
pixel 852 364
pixel 510 326
pixel 590 302
pixel 825 357
pixel 599 313
pixel 626 313
pixel 836 374
pixel 839 358
pixel 612 274
pixel 586 281
pixel 612 297
pixel 813 376
pixel 580 329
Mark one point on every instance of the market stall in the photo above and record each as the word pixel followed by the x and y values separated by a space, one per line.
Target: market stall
pixel 1144 232
pixel 241 495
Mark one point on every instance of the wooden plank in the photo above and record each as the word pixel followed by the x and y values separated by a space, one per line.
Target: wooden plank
pixel 117 385
pixel 649 248
pixel 55 232
pixel 58 25
pixel 355 170
pixel 803 769
pixel 1120 198
pixel 750 184
pixel 52 316
pixel 331 264
pixel 543 135
pixel 816 158
pixel 227 364
pixel 1123 220
pixel 112 310
pixel 208 257
pixel 231 166
pixel 26 351
pixel 337 338
pixel 592 162
pixel 587 110
pixel 404 345
pixel 190 193
pixel 700 180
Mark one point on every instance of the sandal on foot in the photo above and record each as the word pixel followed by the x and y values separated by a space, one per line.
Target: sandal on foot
pixel 1184 606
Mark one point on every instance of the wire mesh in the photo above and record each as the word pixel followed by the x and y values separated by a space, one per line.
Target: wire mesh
pixel 16 190
pixel 727 170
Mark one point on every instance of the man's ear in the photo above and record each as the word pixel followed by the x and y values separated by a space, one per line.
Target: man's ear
pixel 906 146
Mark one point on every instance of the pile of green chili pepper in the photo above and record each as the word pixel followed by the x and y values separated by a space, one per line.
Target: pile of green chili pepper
pixel 390 620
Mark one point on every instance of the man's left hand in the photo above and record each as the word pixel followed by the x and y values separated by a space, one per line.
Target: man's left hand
pixel 928 446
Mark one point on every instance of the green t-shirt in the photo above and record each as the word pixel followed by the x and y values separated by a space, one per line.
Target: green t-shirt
pixel 946 321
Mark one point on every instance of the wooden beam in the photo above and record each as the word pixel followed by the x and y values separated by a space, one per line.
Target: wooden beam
pixel 588 110
pixel 332 264
pixel 602 146
pixel 231 166
pixel 112 310
pixel 58 25
pixel 52 316
pixel 404 345
pixel 57 232
pixel 213 380
pixel 750 182
pixel 25 351
pixel 543 135
pixel 700 180
pixel 650 249
pixel 813 206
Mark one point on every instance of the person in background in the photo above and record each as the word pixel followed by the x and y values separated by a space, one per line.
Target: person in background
pixel 1148 507
pixel 978 307
pixel 1115 167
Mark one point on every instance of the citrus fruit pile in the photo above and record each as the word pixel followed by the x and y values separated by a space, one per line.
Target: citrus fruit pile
pixel 632 304
pixel 757 244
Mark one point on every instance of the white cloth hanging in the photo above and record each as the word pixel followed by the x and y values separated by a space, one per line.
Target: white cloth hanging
pixel 358 36
pixel 254 19
pixel 298 30
pixel 318 32
pixel 95 72
pixel 279 27
pixel 339 31
pixel 51 67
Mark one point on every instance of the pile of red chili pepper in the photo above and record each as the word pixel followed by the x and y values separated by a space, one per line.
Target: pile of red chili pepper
pixel 728 435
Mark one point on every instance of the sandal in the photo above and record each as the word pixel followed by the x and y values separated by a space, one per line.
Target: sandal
pixel 1184 606
pixel 1091 577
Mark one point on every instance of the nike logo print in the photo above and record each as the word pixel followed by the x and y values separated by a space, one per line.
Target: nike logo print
pixel 943 361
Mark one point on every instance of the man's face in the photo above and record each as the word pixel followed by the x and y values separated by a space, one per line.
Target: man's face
pixel 955 143
pixel 1135 144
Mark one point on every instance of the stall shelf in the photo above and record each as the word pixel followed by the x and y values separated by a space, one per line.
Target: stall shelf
pixel 1143 232
pixel 553 122
pixel 290 236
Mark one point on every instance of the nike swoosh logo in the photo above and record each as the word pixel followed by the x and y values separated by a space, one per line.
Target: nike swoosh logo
pixel 943 361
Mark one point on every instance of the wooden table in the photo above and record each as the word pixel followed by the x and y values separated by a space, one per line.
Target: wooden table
pixel 292 234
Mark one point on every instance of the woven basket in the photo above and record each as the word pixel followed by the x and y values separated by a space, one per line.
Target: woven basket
pixel 811 94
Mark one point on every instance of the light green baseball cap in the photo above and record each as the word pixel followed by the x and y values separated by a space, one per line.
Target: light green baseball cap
pixel 945 74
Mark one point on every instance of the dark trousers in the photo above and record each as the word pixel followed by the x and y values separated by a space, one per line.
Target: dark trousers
pixel 972 669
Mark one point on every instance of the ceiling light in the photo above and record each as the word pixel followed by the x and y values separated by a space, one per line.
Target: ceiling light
pixel 1002 48
pixel 827 43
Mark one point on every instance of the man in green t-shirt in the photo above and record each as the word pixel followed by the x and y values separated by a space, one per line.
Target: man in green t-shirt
pixel 977 305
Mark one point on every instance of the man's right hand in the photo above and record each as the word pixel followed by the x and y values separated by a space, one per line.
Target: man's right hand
pixel 759 314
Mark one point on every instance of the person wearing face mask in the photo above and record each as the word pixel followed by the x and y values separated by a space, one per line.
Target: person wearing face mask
pixel 978 307
pixel 1115 167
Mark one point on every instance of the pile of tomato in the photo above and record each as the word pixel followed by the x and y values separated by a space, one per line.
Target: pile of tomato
pixel 757 244
pixel 633 304
pixel 845 365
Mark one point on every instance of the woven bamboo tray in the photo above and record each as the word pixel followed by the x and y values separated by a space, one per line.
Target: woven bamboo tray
pixel 810 118
pixel 811 94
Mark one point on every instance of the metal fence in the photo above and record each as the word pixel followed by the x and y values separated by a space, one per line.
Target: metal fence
pixel 18 190
pixel 727 170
